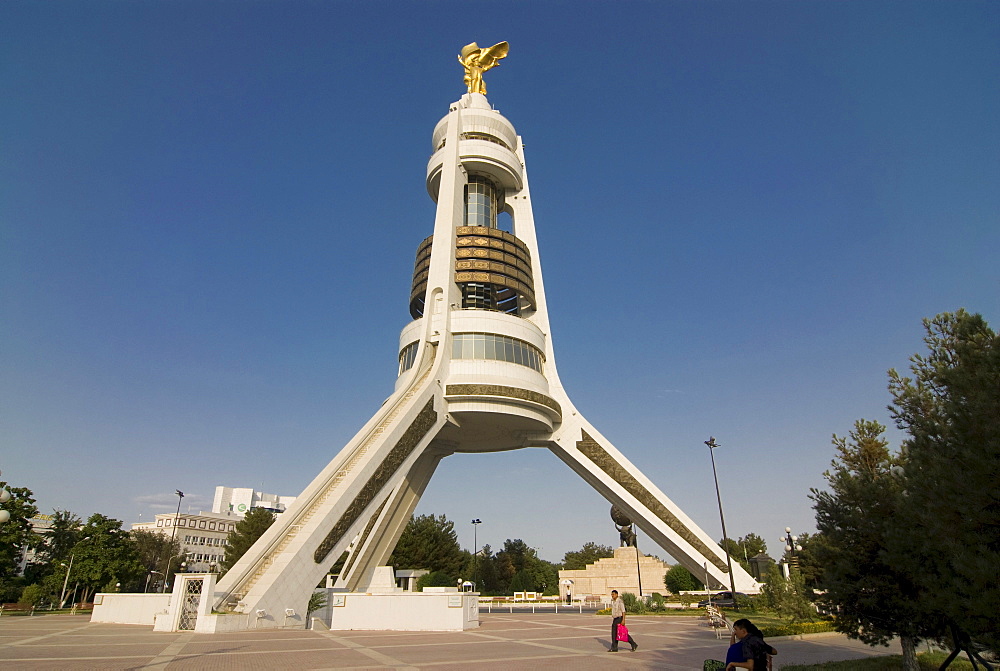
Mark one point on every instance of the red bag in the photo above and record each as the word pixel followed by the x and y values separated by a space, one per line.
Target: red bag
pixel 622 633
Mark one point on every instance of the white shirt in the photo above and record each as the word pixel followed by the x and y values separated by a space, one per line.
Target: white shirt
pixel 617 607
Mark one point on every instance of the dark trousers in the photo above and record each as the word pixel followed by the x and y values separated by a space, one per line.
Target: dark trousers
pixel 614 634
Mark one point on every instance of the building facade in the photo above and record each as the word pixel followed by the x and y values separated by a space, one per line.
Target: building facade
pixel 203 536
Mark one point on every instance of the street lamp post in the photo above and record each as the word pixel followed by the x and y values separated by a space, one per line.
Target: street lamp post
pixel 475 551
pixel 638 567
pixel 791 547
pixel 729 561
pixel 4 498
pixel 62 597
pixel 185 557
pixel 173 531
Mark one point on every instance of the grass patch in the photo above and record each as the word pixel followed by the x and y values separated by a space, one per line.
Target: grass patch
pixel 930 661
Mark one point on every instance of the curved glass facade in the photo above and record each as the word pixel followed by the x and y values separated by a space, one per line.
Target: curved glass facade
pixel 482 202
pixel 497 348
pixel 408 357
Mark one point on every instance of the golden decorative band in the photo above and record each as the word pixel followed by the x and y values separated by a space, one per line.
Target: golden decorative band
pixel 423 423
pixel 482 254
pixel 597 454
pixel 503 391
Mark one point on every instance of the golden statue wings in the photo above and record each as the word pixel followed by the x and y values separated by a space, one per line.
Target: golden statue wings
pixel 476 61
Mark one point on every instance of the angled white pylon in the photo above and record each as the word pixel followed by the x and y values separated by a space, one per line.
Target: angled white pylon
pixel 477 374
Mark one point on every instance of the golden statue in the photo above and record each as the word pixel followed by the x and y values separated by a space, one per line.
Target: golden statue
pixel 476 61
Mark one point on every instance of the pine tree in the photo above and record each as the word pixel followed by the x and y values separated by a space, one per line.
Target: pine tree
pixel 950 409
pixel 429 542
pixel 244 534
pixel 873 598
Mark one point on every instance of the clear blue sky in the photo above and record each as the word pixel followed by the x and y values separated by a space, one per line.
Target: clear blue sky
pixel 209 213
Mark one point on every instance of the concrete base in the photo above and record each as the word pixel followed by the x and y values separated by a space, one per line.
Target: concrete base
pixel 405 611
pixel 620 572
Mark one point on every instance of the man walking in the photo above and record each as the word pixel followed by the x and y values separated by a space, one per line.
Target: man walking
pixel 617 618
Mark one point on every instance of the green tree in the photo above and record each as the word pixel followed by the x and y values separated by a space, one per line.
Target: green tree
pixel 744 549
pixel 483 570
pixel 63 534
pixel 429 542
pixel 15 534
pixel 522 582
pixel 244 534
pixel 808 563
pixel 103 557
pixel 153 550
pixel 949 409
pixel 588 554
pixel 787 597
pixel 33 595
pixel 517 556
pixel 873 598
pixel 678 579
pixel 11 589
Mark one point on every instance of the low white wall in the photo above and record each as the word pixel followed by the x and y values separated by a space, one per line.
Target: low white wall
pixel 217 623
pixel 406 611
pixel 129 608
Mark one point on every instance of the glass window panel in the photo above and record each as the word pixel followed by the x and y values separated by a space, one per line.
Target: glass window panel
pixel 480 346
pixel 518 353
pixel 456 347
pixel 467 347
pixel 491 343
pixel 508 349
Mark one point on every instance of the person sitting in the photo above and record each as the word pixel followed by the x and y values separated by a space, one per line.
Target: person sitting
pixel 747 650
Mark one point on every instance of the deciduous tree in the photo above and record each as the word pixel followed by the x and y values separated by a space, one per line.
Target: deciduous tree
pixel 744 549
pixel 103 557
pixel 588 554
pixel 153 550
pixel 678 579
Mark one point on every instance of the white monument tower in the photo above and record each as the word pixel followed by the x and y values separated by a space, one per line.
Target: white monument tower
pixel 477 373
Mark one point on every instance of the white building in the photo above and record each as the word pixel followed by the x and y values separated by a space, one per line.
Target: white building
pixel 241 499
pixel 203 536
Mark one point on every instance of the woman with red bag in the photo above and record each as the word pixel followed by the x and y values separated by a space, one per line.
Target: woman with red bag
pixel 618 618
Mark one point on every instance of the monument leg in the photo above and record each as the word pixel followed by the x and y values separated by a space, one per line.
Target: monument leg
pixel 578 444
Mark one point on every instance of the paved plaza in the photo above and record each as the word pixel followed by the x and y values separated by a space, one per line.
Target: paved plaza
pixel 504 641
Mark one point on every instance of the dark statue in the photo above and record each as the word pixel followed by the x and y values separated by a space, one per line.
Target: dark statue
pixel 624 525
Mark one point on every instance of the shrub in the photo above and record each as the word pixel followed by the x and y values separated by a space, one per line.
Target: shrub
pixel 32 595
pixel 633 604
pixel 794 628
pixel 656 602
pixel 435 579
pixel 679 579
